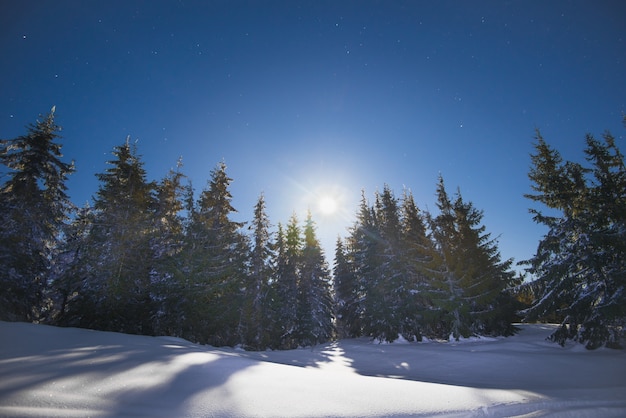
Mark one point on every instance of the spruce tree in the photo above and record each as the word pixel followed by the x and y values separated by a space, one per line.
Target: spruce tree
pixel 387 288
pixel 118 286
pixel 215 254
pixel 288 254
pixel 314 314
pixel 257 318
pixel 34 207
pixel 486 278
pixel 279 298
pixel 444 292
pixel 346 292
pixel 365 249
pixel 361 247
pixel 167 243
pixel 580 262
pixel 473 278
pixel 418 255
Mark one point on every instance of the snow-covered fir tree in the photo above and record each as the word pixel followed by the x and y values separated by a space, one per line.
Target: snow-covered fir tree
pixel 363 251
pixel 314 312
pixel 417 253
pixel 34 207
pixel 581 261
pixel 285 314
pixel 116 293
pixel 256 320
pixel 346 293
pixel 360 250
pixel 386 286
pixel 473 278
pixel 167 245
pixel 215 253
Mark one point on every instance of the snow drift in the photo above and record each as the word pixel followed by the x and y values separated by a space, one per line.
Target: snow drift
pixel 65 372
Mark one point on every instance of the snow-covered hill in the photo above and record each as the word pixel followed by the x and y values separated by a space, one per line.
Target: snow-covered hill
pixel 65 372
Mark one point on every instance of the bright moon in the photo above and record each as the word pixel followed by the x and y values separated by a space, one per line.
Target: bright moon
pixel 327 205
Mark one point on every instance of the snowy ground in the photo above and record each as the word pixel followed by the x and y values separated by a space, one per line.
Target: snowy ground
pixel 65 372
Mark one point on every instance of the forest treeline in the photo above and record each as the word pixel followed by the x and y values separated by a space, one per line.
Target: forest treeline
pixel 159 258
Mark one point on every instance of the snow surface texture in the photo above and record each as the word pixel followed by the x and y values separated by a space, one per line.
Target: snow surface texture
pixel 68 372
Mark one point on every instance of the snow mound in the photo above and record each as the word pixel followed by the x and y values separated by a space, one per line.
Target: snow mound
pixel 67 372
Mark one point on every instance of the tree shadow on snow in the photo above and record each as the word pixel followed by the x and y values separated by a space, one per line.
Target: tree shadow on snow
pixel 104 373
pixel 314 357
pixel 523 362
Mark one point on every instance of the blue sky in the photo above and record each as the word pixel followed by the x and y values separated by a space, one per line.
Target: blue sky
pixel 303 99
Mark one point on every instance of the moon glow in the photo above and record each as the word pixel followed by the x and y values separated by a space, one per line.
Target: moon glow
pixel 327 205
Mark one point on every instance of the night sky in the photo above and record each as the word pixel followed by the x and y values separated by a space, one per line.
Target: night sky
pixel 307 99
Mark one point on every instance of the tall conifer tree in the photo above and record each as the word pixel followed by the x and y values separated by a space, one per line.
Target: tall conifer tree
pixel 287 280
pixel 386 287
pixel 346 292
pixel 258 298
pixel 580 262
pixel 362 247
pixel 167 243
pixel 473 278
pixel 365 248
pixel 314 298
pixel 216 255
pixel 280 296
pixel 122 258
pixel 485 276
pixel 33 208
pixel 418 255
